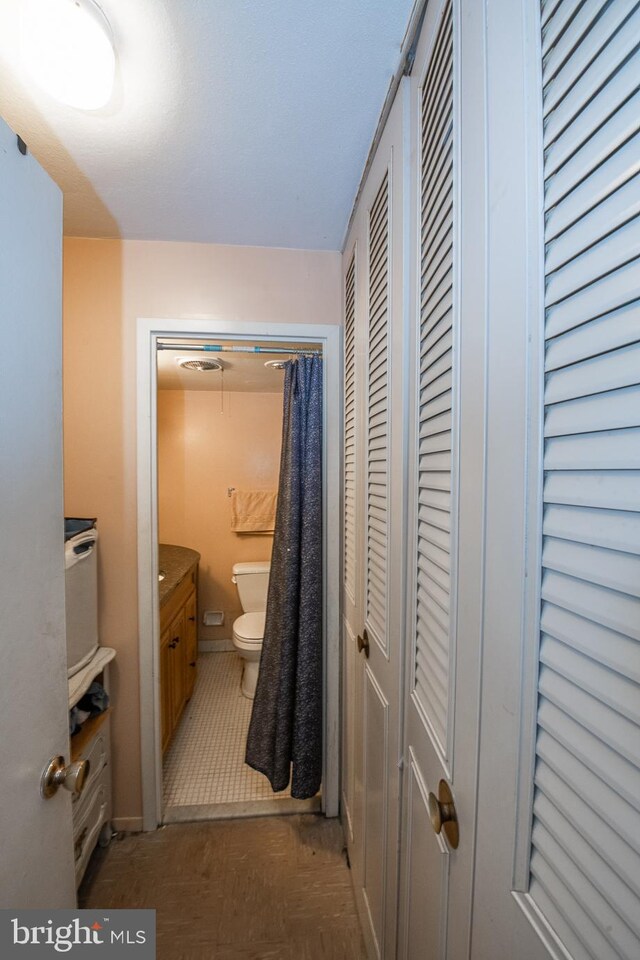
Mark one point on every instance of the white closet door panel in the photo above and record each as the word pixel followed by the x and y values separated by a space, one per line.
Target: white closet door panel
pixel 584 871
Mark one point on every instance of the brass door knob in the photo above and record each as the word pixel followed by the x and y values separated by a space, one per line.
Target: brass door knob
pixel 442 812
pixel 73 777
pixel 363 643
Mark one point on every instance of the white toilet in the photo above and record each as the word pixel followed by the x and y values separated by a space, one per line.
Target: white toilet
pixel 252 581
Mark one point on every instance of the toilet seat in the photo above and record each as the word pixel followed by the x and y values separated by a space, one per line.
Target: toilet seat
pixel 249 628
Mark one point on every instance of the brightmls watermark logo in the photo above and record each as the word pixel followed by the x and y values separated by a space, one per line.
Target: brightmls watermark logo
pixel 80 933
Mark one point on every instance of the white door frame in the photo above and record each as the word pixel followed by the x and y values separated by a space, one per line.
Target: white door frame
pixel 148 332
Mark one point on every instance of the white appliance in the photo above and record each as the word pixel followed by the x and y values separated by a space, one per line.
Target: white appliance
pixel 81 592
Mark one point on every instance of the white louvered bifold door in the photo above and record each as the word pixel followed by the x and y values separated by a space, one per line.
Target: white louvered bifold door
pixel 377 428
pixel 350 431
pixel 375 403
pixel 585 852
pixel 435 382
pixel 430 571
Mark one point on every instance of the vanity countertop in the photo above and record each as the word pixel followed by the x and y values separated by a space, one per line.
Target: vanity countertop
pixel 174 562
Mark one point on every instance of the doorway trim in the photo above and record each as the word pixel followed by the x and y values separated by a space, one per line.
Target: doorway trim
pixel 149 330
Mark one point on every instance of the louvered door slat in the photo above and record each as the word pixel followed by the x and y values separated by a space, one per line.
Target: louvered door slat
pixel 606 178
pixel 570 57
pixel 596 679
pixel 563 108
pixel 603 645
pixel 591 752
pixel 598 797
pixel 612 253
pixel 555 27
pixel 588 839
pixel 606 411
pixel 591 339
pixel 600 914
pixel 435 351
pixel 377 506
pixel 611 370
pixel 611 143
pixel 584 874
pixel 611 214
pixel 615 529
pixel 349 559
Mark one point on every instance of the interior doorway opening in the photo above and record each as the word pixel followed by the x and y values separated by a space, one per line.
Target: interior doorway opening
pixel 226 340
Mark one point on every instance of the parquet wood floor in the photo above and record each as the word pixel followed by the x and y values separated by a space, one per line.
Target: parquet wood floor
pixel 272 888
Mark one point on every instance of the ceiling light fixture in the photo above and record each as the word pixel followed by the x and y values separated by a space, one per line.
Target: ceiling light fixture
pixel 276 364
pixel 68 49
pixel 188 363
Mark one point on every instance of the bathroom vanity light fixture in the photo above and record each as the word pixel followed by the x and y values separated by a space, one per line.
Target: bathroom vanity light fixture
pixel 67 47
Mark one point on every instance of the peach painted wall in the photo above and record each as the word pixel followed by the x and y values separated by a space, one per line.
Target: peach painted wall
pixel 107 285
pixel 202 451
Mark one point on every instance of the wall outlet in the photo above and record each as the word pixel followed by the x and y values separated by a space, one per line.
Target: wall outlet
pixel 213 618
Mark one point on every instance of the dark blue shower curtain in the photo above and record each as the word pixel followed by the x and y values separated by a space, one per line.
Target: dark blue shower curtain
pixel 285 733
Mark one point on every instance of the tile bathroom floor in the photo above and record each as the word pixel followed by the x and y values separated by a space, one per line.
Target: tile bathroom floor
pixel 205 775
pixel 274 888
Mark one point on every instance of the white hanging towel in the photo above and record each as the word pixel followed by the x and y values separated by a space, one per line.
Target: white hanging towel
pixel 253 511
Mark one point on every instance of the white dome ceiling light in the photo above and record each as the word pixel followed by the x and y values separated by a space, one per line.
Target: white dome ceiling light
pixel 67 47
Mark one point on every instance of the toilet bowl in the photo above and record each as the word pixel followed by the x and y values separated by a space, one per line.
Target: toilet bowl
pixel 252 581
pixel 248 631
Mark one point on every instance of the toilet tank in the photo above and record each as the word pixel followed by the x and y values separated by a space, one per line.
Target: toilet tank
pixel 252 581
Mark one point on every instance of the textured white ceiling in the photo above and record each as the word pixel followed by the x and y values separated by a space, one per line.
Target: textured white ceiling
pixel 233 121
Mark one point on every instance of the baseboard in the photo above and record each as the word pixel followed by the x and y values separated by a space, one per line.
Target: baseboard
pixel 268 807
pixel 127 824
pixel 214 646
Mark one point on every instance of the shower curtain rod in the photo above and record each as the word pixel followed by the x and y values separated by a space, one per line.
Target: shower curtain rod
pixel 217 348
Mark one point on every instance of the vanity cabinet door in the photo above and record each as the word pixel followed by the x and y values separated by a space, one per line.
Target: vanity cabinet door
pixel 166 686
pixel 177 647
pixel 191 644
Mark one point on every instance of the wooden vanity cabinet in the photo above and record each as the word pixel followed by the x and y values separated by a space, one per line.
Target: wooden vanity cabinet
pixel 178 651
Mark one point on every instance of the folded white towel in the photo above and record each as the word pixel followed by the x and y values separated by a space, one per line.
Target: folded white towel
pixel 253 511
